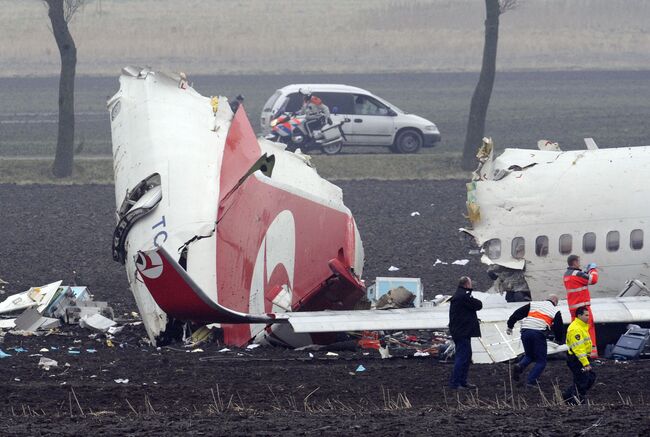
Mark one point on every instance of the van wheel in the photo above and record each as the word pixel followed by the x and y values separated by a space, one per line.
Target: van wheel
pixel 333 149
pixel 408 141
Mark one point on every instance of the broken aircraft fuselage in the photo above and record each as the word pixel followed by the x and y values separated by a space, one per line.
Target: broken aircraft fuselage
pixel 251 224
pixel 531 209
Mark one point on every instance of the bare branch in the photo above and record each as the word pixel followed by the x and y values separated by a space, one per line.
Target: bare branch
pixel 70 7
pixel 507 5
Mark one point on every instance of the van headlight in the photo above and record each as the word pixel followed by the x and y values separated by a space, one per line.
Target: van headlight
pixel 431 128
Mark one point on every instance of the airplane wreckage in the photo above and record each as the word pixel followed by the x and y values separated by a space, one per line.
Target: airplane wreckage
pixel 215 225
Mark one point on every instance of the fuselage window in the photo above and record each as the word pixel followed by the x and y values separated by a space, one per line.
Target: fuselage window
pixel 589 242
pixel 636 239
pixel 566 244
pixel 518 248
pixel 541 245
pixel 493 248
pixel 612 241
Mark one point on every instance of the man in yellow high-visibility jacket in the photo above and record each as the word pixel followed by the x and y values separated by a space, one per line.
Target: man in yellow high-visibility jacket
pixel 579 343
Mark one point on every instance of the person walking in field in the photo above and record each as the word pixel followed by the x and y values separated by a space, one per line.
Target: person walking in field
pixel 463 325
pixel 536 319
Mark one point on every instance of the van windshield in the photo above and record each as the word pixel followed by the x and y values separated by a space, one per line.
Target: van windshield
pixel 389 104
pixel 268 106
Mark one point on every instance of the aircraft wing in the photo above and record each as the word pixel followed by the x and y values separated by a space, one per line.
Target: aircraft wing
pixel 605 310
pixel 493 346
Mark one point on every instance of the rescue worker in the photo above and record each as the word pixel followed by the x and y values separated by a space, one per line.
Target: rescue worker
pixel 463 325
pixel 315 112
pixel 579 344
pixel 538 317
pixel 576 282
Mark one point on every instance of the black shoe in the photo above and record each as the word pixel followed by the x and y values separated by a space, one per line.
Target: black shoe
pixel 516 372
pixel 467 386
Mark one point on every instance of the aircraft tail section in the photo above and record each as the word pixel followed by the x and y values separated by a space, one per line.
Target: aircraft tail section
pixel 180 297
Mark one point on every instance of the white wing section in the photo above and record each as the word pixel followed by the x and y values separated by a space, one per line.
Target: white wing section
pixel 494 345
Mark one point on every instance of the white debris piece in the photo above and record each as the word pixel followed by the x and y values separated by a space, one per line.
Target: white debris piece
pixel 384 353
pixel 225 349
pixel 252 346
pixel 97 322
pixel 35 296
pixel 115 329
pixel 331 354
pixel 393 269
pixel 438 261
pixel 47 363
pixel 122 381
pixel 460 262
pixel 414 213
pixel 421 354
pixel 197 350
pixel 7 323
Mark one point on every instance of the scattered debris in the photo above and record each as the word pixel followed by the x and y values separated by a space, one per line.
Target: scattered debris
pixel 3 354
pixel 196 350
pixel 393 269
pixel 460 262
pixel 122 381
pixel 414 213
pixel 252 346
pixel 225 349
pixel 331 354
pixel 47 307
pixel 438 261
pixel 360 368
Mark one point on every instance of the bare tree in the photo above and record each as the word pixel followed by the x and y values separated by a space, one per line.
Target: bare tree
pixel 60 13
pixel 483 91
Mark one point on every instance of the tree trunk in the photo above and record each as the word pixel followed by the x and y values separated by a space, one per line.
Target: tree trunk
pixel 62 166
pixel 483 91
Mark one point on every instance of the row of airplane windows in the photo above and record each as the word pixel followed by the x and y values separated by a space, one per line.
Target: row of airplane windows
pixel 565 244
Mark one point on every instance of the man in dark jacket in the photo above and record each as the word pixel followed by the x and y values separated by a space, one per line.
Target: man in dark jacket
pixel 463 325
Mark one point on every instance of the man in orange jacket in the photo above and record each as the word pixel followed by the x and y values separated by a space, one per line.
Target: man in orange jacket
pixel 576 282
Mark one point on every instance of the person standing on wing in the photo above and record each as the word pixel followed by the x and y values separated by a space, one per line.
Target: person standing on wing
pixel 576 282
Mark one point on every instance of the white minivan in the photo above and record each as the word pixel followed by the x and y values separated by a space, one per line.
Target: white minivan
pixel 371 120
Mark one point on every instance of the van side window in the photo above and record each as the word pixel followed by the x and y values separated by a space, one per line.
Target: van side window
pixel 541 245
pixel 518 249
pixel 493 248
pixel 338 103
pixel 612 241
pixel 636 239
pixel 589 242
pixel 366 105
pixel 566 244
pixel 292 103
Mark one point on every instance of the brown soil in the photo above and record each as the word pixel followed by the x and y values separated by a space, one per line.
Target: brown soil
pixel 48 232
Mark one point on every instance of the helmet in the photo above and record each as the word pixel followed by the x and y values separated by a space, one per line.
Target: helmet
pixel 306 93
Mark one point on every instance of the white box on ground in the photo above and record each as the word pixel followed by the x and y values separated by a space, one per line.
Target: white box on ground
pixel 383 285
